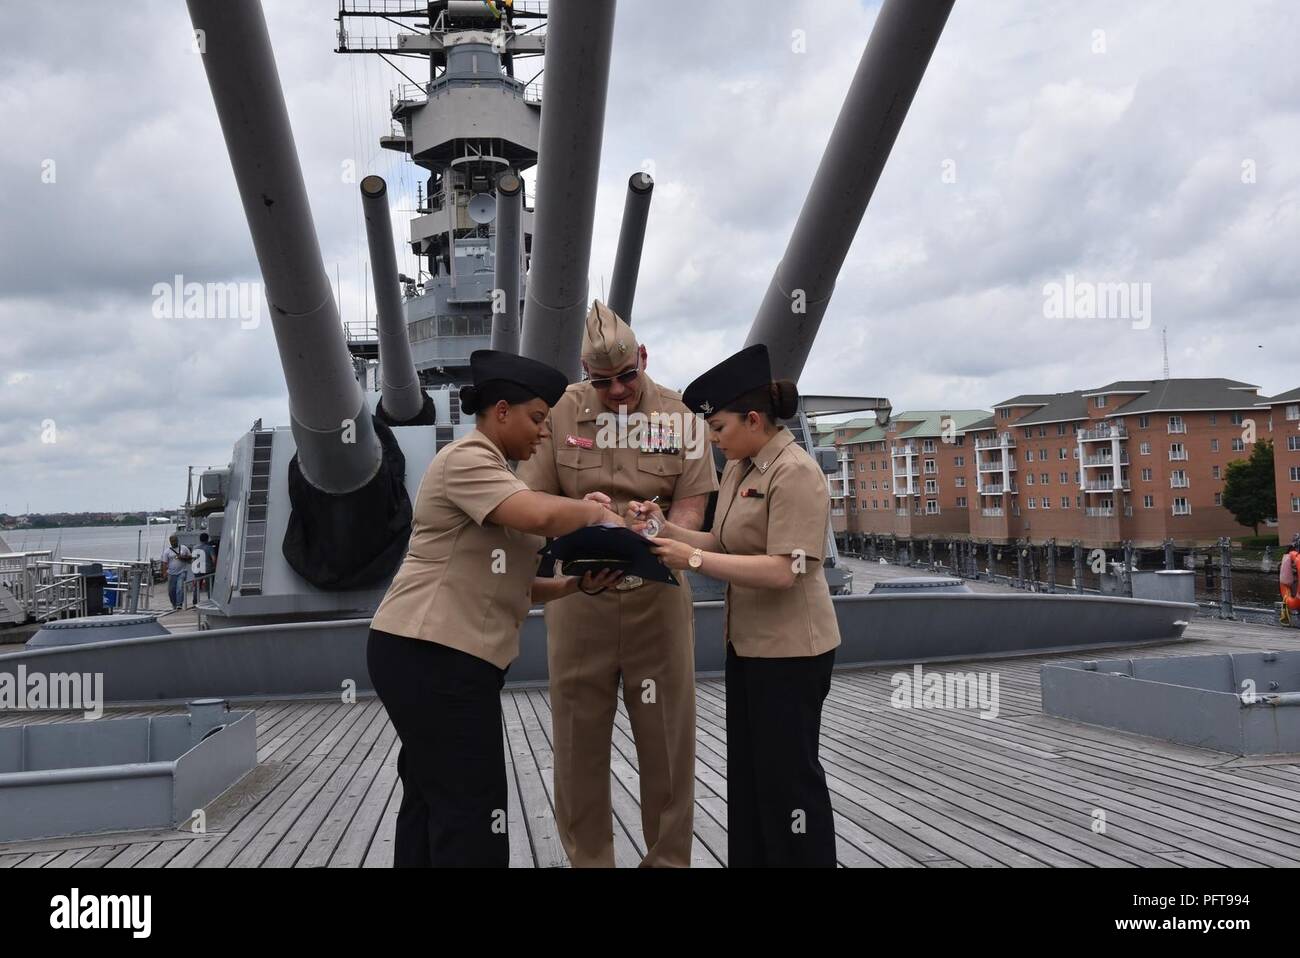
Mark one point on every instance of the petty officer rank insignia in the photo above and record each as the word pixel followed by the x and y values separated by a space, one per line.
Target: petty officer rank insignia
pixel 658 437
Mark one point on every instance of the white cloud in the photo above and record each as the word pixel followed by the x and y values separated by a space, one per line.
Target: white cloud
pixel 1116 166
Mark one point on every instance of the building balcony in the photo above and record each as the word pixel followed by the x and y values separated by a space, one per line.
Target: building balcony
pixel 1106 485
pixel 1105 460
pixel 1181 510
pixel 996 466
pixel 992 513
pixel 1004 441
pixel 907 449
pixel 1178 456
pixel 1101 433
pixel 1176 483
pixel 1099 512
pixel 1178 429
pixel 997 489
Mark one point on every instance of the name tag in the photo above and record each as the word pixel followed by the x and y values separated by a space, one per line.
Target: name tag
pixel 580 442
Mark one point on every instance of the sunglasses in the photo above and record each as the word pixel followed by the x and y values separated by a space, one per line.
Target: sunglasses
pixel 627 378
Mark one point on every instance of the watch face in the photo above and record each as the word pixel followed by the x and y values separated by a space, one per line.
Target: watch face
pixel 696 561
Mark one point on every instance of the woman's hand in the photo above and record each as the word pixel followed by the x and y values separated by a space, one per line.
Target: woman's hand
pixel 606 515
pixel 641 515
pixel 674 554
pixel 593 582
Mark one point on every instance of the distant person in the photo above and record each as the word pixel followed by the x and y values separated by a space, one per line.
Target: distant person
pixel 176 559
pixel 199 570
pixel 210 556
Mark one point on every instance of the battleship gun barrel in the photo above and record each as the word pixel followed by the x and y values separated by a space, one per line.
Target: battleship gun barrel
pixel 337 448
pixel 902 40
pixel 402 398
pixel 579 39
pixel 505 303
pixel 631 238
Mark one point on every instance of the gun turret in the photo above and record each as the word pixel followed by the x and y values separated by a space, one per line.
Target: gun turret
pixel 631 237
pixel 505 298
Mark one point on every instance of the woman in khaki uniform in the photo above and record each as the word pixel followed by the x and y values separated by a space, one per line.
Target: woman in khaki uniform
pixel 767 543
pixel 448 628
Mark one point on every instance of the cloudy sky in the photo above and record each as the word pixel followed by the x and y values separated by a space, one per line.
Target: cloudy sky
pixel 1150 143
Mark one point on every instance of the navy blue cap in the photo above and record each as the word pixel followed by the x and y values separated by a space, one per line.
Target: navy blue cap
pixel 597 548
pixel 500 375
pixel 732 378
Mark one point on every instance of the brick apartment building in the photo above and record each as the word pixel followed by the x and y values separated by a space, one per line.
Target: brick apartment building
pixel 1284 428
pixel 1140 460
pixel 911 478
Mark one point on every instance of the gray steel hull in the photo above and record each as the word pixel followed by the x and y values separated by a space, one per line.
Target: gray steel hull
pixel 329 658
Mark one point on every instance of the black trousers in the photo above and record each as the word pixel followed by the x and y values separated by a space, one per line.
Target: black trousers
pixel 778 806
pixel 446 707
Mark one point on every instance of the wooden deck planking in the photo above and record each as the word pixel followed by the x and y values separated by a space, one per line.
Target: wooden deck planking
pixel 910 788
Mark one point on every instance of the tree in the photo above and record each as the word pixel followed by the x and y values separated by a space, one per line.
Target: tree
pixel 1249 490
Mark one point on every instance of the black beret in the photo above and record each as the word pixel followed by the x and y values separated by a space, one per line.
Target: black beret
pixel 501 375
pixel 597 548
pixel 726 382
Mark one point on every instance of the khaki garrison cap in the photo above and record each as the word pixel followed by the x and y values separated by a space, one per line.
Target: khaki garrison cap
pixel 607 342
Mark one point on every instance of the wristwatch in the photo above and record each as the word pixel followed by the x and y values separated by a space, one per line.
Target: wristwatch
pixel 697 559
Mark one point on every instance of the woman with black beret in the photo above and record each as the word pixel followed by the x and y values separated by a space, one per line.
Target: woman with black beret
pixel 767 543
pixel 448 628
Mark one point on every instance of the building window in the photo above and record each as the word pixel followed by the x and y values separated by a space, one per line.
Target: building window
pixel 1143 422
pixel 1029 455
pixel 1293 412
pixel 931 507
pixel 1042 431
pixel 1293 443
pixel 1078 502
pixel 1178 479
pixel 1065 478
pixel 1238 419
pixel 1145 449
pixel 1177 451
pixel 931 487
pixel 1076 475
pixel 1295 503
pixel 874 485
pixel 1214 419
pixel 1065 502
pixel 1148 502
pixel 1099 402
pixel 1060 429
pixel 884 486
pixel 930 469
pixel 1029 478
pixel 1218 498
pixel 1047 502
pixel 1044 479
pixel 1214 445
pixel 1032 500
pixel 1238 445
pixel 873 465
pixel 1181 508
pixel 1004 413
pixel 1176 424
pixel 959 461
pixel 961 502
pixel 927 445
pixel 1295 473
pixel 875 503
pixel 961 482
pixel 1062 453
pixel 1216 473
pixel 1029 433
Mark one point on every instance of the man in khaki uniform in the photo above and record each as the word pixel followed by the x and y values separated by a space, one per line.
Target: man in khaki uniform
pixel 623 435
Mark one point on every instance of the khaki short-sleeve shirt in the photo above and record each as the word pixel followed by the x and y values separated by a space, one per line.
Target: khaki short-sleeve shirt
pixel 778 504
pixel 651 456
pixel 465 583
